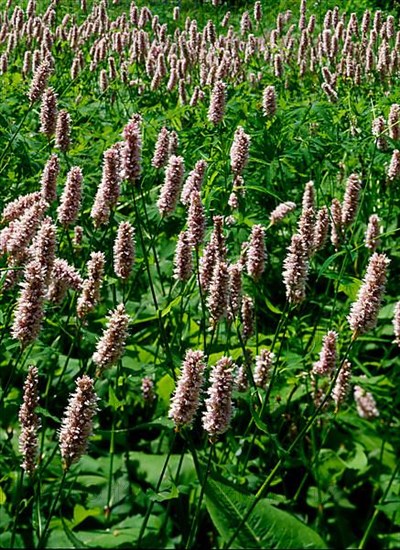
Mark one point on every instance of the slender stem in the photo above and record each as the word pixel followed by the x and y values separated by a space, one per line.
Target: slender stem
pixel 42 539
pixel 371 522
pixel 203 307
pixel 14 370
pixel 11 140
pixel 294 444
pixel 17 508
pixel 195 523
pixel 110 473
pixel 151 505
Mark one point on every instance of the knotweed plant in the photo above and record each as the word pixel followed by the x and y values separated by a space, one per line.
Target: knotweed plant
pixel 243 349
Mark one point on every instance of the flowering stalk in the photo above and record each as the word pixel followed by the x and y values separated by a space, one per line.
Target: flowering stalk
pixel 217 417
pixel 256 252
pixel 124 250
pixel 71 197
pixel 172 186
pixel 90 295
pixel 110 347
pixel 364 312
pixel 30 423
pixel 185 401
pixel 29 310
pixel 77 423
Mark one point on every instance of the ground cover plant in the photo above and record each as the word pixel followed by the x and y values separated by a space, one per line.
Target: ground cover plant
pixel 199 297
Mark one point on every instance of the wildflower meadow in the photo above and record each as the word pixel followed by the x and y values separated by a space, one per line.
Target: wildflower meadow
pixel 199 274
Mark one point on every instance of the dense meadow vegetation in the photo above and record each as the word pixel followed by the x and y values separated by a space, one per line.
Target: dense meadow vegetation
pixel 199 291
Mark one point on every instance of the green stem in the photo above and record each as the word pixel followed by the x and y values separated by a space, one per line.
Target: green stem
pixel 264 487
pixel 17 508
pixel 376 512
pixel 151 505
pixel 42 538
pixel 195 523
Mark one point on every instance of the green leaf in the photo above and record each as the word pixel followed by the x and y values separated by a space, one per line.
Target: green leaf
pixel 266 527
pixel 113 400
pixel 172 304
pixel 161 496
pixel 358 460
pixel 271 307
pixel 149 467
pixel 165 387
pixel 350 286
pixel 3 497
pixel 80 514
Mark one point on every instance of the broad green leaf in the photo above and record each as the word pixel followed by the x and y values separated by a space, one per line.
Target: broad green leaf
pixel 113 400
pixel 80 514
pixel 266 527
pixel 358 460
pixel 165 387
pixel 167 494
pixel 149 466
pixel 350 286
pixel 3 497
pixel 172 304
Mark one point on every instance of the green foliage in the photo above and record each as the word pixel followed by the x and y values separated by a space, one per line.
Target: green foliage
pixel 267 526
pixel 293 469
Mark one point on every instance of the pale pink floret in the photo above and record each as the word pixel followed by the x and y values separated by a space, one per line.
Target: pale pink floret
pixel 48 113
pixel 183 261
pixel 29 309
pixel 218 413
pixel 239 153
pixel 217 103
pixel 63 277
pixel 17 207
pixel 217 300
pixel 396 323
pixel 29 421
pixel 394 166
pixel 132 150
pixel 91 286
pixel 262 370
pixel 161 151
pixel 63 131
pixel 281 211
pixel 256 253
pixel 326 364
pixel 77 424
pixel 124 250
pixel 295 271
pixel 366 404
pixel 71 197
pixel 48 180
pixel 194 181
pixel 351 200
pixel 321 228
pixel 372 233
pixel 247 312
pixel 196 220
pixel 109 189
pixel 342 386
pixel 172 186
pixel 111 345
pixel 269 101
pixel 185 401
pixel 364 311
pixel 394 121
pixel 18 234
pixel 39 81
pixel 44 245
pixel 235 289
